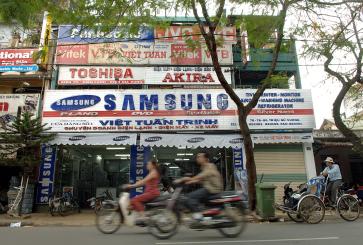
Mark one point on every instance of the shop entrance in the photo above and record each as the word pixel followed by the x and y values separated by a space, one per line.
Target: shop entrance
pixel 90 169
pixel 6 173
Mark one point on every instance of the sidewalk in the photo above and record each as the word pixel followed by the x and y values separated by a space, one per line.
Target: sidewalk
pixel 85 218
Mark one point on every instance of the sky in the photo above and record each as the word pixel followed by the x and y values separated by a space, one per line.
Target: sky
pixel 323 90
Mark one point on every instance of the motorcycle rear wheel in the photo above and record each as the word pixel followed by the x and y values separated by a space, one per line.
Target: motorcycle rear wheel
pixel 236 216
pixel 108 221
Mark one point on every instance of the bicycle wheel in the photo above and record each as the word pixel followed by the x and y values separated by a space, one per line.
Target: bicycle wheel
pixel 311 209
pixel 348 207
pixel 295 217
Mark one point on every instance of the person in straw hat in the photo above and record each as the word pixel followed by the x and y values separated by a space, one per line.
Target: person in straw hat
pixel 335 178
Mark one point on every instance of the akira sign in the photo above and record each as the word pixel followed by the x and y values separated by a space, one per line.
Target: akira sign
pixel 138 110
pixel 105 75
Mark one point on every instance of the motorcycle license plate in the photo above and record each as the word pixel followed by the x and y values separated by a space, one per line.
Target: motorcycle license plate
pixel 93 203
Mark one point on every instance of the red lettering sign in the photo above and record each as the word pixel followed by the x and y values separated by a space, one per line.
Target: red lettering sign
pixel 4 106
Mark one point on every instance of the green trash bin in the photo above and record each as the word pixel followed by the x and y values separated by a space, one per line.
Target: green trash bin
pixel 265 195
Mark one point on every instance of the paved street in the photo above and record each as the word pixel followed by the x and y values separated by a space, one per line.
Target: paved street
pixel 330 232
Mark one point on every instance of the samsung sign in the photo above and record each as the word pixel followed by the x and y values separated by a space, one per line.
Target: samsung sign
pixel 77 102
pixel 46 174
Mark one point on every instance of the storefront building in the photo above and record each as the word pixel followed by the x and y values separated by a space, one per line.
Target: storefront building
pixel 115 105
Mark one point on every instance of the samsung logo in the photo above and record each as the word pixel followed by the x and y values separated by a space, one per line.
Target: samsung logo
pixel 77 102
pixel 121 138
pixel 77 137
pixel 153 139
pixel 196 140
pixel 236 140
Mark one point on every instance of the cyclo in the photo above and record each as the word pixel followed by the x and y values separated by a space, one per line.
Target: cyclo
pixel 308 203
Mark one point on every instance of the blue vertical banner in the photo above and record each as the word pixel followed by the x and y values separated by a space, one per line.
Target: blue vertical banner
pixel 46 174
pixel 140 155
pixel 240 172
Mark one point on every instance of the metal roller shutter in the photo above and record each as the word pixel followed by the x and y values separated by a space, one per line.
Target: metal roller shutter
pixel 280 164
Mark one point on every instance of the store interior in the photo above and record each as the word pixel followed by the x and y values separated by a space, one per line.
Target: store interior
pixel 90 169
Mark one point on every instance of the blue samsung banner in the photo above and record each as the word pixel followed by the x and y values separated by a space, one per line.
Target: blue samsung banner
pixel 241 184
pixel 19 68
pixel 140 155
pixel 46 174
pixel 79 34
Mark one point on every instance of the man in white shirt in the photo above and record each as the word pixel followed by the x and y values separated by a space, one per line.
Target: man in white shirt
pixel 335 178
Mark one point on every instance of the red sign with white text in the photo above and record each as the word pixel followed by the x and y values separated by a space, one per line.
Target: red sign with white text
pixel 16 57
pixel 72 54
pixel 181 33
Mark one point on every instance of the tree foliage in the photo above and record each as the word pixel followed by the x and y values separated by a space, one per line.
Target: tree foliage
pixel 24 137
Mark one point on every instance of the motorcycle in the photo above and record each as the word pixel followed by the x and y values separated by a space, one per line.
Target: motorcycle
pixel 117 213
pixel 62 205
pixel 224 212
pixel 96 203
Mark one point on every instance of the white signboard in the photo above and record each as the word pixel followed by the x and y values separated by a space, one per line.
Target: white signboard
pixel 105 75
pixel 163 110
pixel 10 104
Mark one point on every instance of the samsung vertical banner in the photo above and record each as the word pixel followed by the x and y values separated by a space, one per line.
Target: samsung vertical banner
pixel 46 174
pixel 140 155
pixel 240 173
pixel 175 110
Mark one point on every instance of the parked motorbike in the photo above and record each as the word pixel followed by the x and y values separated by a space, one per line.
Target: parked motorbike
pixel 224 212
pixel 96 203
pixel 117 213
pixel 64 204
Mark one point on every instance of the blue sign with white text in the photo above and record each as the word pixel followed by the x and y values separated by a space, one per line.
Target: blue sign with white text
pixel 46 174
pixel 79 34
pixel 19 68
pixel 140 155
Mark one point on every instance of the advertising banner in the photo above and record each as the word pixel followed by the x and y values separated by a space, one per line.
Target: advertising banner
pixel 140 155
pixel 80 34
pixel 11 103
pixel 106 75
pixel 131 53
pixel 176 34
pixel 164 110
pixel 19 60
pixel 240 172
pixel 46 174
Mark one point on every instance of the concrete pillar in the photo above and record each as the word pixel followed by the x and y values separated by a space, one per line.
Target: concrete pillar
pixel 309 160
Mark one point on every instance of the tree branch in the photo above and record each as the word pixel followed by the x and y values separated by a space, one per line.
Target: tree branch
pixel 280 34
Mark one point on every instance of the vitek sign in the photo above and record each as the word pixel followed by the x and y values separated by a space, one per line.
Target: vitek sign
pixel 105 75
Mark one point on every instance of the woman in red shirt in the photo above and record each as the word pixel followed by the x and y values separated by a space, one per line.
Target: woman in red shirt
pixel 151 191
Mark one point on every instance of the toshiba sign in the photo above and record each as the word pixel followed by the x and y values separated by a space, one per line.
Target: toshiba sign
pixel 105 75
pixel 17 60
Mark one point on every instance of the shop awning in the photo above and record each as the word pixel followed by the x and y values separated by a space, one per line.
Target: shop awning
pixel 275 138
pixel 191 140
pixel 94 139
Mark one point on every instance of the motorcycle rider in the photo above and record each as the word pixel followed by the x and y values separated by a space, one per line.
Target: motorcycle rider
pixel 211 181
pixel 335 178
pixel 151 183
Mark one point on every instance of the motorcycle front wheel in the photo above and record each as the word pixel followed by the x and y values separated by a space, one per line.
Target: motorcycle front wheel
pixel 163 224
pixel 236 216
pixel 108 221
